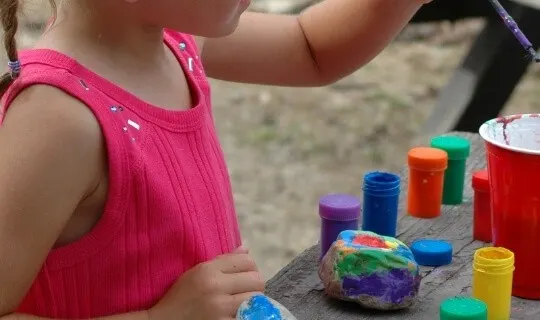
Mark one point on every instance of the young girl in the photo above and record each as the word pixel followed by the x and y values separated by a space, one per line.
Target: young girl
pixel 115 200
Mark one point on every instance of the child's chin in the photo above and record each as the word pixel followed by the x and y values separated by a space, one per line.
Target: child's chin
pixel 223 30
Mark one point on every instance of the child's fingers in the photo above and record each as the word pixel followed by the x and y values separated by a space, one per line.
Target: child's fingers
pixel 239 283
pixel 236 262
pixel 241 249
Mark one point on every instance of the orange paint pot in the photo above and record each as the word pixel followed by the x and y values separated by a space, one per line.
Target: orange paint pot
pixel 426 180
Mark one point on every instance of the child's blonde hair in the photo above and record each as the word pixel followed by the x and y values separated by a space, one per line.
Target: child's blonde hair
pixel 10 24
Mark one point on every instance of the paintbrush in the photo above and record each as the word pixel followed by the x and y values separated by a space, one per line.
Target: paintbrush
pixel 512 25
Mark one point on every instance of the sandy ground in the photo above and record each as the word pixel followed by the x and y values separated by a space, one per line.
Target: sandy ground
pixel 287 147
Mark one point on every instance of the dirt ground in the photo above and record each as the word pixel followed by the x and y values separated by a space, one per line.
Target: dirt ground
pixel 287 147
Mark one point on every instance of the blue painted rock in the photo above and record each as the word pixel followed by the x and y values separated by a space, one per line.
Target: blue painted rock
pixel 261 307
pixel 375 271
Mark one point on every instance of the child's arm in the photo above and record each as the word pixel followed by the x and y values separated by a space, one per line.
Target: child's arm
pixel 323 44
pixel 50 158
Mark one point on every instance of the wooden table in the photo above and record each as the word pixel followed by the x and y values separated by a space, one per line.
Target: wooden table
pixel 298 287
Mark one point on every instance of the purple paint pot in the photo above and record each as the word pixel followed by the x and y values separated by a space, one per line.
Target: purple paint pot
pixel 338 212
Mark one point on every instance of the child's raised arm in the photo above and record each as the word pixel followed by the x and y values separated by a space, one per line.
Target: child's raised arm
pixel 321 45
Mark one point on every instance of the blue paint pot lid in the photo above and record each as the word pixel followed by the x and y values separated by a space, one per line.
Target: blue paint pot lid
pixel 432 252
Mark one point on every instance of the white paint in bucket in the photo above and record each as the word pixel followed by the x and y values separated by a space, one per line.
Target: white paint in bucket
pixel 519 133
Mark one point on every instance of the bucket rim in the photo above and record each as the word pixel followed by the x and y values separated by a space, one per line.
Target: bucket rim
pixel 483 131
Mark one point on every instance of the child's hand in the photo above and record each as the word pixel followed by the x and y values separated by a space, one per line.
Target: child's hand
pixel 212 290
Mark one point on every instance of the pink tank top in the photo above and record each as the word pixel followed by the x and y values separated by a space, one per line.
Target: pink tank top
pixel 169 206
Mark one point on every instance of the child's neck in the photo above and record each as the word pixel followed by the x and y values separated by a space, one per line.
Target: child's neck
pixel 84 34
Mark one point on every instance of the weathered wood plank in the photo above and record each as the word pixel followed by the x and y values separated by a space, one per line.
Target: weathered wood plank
pixel 299 289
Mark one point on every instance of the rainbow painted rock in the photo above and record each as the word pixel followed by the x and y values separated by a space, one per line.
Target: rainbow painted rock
pixel 375 271
pixel 261 307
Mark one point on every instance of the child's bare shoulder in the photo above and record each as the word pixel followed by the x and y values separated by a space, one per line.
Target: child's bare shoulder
pixel 44 126
pixel 41 103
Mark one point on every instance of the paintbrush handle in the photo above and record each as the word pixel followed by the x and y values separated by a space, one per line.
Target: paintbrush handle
pixel 512 25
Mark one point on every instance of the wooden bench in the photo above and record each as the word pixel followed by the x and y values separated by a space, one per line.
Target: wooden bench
pixel 480 87
pixel 298 287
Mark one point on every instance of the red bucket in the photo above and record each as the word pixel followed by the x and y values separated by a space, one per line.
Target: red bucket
pixel 513 158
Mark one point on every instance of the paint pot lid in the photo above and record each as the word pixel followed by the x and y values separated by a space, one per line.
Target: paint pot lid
pixel 480 180
pixel 432 252
pixel 457 147
pixel 339 207
pixel 425 158
pixel 463 308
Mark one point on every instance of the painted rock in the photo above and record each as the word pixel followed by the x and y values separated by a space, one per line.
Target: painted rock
pixel 375 271
pixel 261 307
